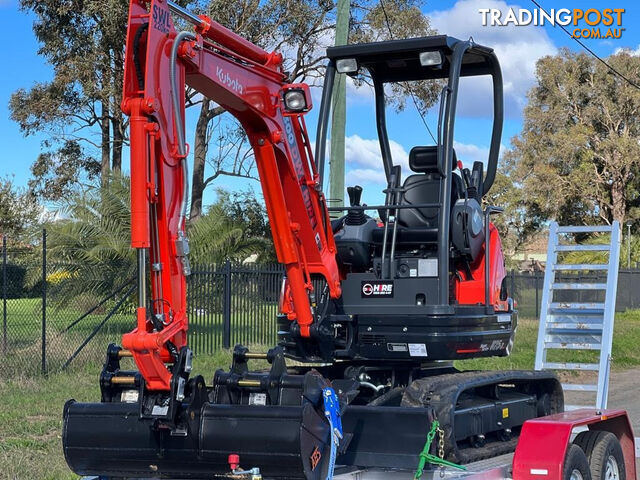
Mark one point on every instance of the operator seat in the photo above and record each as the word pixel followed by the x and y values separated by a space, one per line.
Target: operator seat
pixel 424 187
pixel 418 226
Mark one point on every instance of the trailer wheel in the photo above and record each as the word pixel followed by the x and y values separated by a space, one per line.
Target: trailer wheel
pixel 604 453
pixel 576 465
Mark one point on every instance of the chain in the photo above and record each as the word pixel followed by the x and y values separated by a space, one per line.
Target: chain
pixel 441 448
pixel 440 442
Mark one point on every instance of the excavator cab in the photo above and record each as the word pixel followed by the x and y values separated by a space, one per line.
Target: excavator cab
pixel 425 280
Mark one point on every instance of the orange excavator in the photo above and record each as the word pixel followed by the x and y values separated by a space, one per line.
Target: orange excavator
pixel 373 310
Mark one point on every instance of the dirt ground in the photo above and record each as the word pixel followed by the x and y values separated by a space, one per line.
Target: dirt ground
pixel 624 392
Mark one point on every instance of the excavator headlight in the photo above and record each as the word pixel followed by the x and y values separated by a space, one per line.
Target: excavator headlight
pixel 347 65
pixel 430 59
pixel 296 98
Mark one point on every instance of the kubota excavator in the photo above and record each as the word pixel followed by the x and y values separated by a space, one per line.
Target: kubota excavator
pixel 374 311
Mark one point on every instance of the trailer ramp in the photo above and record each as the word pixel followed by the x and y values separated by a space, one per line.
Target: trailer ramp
pixel 578 305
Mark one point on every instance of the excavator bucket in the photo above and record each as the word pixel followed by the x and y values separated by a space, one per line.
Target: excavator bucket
pixel 274 421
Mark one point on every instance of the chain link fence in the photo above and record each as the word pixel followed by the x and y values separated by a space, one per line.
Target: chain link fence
pixel 44 330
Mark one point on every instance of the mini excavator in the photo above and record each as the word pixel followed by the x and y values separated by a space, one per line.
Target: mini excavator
pixel 373 310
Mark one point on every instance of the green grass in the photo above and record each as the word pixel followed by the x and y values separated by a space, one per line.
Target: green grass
pixel 31 416
pixel 31 413
pixel 626 354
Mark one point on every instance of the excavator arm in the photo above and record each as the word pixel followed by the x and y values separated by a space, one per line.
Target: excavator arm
pixel 251 85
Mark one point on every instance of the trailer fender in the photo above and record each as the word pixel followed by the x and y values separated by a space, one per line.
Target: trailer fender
pixel 544 442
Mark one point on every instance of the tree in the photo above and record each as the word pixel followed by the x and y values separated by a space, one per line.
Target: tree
pixel 217 237
pixel 577 157
pixel 56 174
pixel 301 30
pixel 516 224
pixel 92 242
pixel 19 209
pixel 79 109
pixel 245 209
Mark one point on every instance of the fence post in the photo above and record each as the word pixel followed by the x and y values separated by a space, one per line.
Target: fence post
pixel 4 294
pixel 44 301
pixel 226 310
pixel 536 276
pixel 513 285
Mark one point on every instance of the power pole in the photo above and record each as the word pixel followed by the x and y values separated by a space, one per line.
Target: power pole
pixel 338 119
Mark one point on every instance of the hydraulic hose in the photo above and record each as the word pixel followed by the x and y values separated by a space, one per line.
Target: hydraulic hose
pixel 182 148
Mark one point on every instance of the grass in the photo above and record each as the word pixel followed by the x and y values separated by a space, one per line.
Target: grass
pixel 626 354
pixel 31 413
pixel 31 416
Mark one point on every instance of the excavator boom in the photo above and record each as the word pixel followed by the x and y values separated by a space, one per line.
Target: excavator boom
pixel 251 85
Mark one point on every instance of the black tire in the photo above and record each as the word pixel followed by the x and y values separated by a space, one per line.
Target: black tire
pixel 576 465
pixel 604 453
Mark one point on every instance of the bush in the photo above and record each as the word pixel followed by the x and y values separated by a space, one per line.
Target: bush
pixel 16 281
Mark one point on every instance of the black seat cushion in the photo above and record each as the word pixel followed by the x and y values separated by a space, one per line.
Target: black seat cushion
pixel 420 188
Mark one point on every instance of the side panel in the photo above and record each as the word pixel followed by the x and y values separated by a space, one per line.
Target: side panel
pixel 471 291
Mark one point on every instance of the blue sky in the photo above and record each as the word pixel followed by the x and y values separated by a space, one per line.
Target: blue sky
pixel 518 48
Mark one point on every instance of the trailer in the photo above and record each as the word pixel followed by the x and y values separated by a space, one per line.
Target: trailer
pixel 576 445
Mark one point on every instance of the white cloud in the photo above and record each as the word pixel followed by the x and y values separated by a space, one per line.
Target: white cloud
pixel 469 153
pixel 366 153
pixel 635 53
pixel 364 163
pixel 517 48
pixel 364 176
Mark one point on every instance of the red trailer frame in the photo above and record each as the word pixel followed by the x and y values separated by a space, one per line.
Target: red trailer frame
pixel 544 441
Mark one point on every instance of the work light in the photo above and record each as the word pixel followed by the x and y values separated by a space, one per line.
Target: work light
pixel 347 65
pixel 430 59
pixel 294 100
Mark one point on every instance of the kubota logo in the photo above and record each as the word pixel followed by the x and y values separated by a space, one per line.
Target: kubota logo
pixel 226 79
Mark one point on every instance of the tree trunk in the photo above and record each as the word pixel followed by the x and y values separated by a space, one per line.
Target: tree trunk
pixel 618 200
pixel 105 137
pixel 116 114
pixel 116 155
pixel 200 148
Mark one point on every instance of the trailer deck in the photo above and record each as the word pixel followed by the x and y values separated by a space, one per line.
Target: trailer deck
pixel 497 468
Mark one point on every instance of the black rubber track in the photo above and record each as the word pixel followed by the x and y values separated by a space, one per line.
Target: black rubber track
pixel 442 391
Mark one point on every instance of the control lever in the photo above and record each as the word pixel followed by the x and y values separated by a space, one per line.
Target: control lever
pixel 466 175
pixel 355 194
pixel 355 217
pixel 476 179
